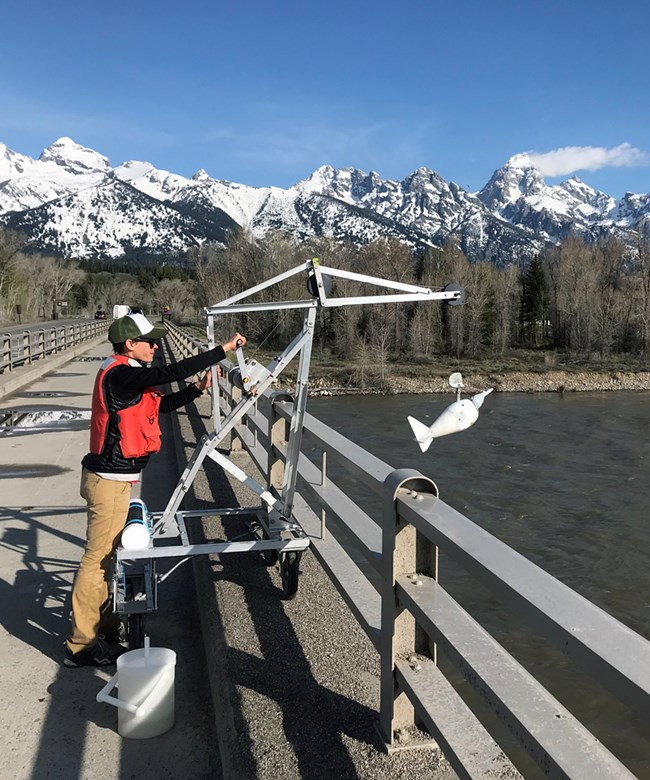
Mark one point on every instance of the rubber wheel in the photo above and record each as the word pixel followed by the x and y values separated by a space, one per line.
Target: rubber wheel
pixel 135 630
pixel 289 571
pixel 270 557
pixel 134 620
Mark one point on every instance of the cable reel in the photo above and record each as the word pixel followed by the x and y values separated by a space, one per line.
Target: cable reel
pixel 454 287
pixel 247 374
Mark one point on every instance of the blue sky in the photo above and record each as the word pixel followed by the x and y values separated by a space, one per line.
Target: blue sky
pixel 263 93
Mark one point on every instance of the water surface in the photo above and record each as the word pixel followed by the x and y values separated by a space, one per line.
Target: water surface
pixel 561 478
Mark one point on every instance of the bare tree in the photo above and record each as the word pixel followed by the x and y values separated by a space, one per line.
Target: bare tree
pixel 641 276
pixel 506 294
pixel 12 284
pixel 50 280
pixel 426 328
pixel 477 307
pixel 574 284
pixel 96 287
pixel 453 266
pixel 125 289
pixel 179 295
pixel 609 302
pixel 214 280
pixel 386 325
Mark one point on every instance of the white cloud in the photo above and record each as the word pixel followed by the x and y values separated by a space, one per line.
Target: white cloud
pixel 568 159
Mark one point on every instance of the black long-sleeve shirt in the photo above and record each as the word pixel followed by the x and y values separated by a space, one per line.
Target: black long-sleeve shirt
pixel 128 382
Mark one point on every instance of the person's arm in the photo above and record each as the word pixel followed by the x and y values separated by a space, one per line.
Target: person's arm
pixel 188 394
pixel 128 381
pixel 132 379
pixel 173 401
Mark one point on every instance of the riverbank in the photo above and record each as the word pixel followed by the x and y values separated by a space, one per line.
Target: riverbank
pixel 507 382
pixel 520 371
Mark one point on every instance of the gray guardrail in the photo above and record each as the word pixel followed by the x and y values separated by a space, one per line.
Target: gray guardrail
pixel 411 614
pixel 30 345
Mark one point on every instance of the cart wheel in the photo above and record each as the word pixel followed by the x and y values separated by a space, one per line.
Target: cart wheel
pixel 270 557
pixel 135 630
pixel 289 571
pixel 135 588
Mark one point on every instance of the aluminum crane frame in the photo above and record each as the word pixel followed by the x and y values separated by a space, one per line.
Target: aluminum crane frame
pixel 277 534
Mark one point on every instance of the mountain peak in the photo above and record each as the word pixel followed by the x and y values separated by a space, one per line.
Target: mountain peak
pixel 347 184
pixel 12 164
pixel 517 178
pixel 423 177
pixel 521 161
pixel 201 175
pixel 64 140
pixel 75 158
pixel 322 175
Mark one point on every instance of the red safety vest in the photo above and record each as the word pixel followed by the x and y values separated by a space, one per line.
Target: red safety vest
pixel 137 424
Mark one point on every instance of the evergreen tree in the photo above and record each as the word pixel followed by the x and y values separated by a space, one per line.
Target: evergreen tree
pixel 535 304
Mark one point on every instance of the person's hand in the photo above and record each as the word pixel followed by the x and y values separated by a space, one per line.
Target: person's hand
pixel 205 381
pixel 236 341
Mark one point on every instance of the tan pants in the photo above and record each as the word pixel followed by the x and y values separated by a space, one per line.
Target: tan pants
pixel 92 613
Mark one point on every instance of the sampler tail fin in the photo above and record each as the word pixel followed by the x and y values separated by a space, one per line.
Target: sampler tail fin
pixel 422 433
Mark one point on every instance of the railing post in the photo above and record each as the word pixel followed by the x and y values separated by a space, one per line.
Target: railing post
pixel 27 348
pixel 279 429
pixel 41 341
pixel 6 351
pixel 404 553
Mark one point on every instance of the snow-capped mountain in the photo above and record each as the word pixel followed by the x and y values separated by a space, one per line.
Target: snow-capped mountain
pixel 62 168
pixel 72 202
pixel 161 185
pixel 517 193
pixel 113 219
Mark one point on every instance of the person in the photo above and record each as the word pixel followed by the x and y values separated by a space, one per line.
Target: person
pixel 124 433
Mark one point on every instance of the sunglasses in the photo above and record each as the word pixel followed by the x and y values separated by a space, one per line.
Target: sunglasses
pixel 150 342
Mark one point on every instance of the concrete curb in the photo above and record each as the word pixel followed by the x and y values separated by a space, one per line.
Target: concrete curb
pixel 14 380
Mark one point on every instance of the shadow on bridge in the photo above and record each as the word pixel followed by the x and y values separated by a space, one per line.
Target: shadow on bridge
pixel 315 720
pixel 73 729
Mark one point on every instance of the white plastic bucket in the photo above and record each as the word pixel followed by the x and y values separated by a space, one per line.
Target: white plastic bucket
pixel 145 681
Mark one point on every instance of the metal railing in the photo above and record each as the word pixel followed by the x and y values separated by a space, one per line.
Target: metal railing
pixel 28 346
pixel 411 614
pixel 183 344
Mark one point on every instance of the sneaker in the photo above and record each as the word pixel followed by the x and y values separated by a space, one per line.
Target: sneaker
pixel 114 637
pixel 99 654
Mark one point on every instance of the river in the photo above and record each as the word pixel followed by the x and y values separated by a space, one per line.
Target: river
pixel 561 478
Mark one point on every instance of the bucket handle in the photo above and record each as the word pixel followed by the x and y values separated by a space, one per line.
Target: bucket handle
pixel 138 711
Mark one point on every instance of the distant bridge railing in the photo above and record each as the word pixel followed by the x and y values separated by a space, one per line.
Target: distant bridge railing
pixel 28 346
pixel 412 614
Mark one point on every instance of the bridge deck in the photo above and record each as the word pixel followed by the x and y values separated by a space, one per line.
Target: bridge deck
pixel 52 725
pixel 293 685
